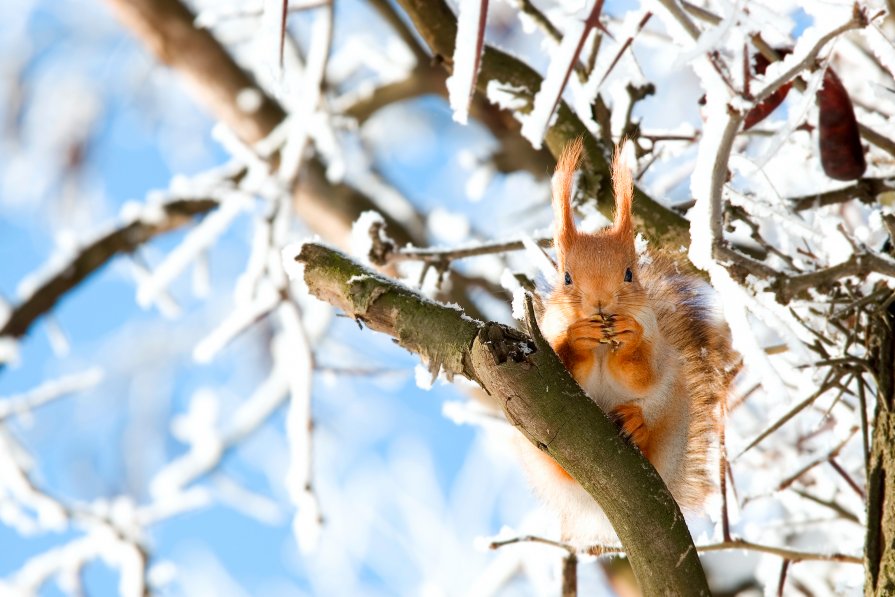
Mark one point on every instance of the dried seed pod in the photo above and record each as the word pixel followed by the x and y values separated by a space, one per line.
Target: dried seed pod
pixel 841 153
pixel 762 110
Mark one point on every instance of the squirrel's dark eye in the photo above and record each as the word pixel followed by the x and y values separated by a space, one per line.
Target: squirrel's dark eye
pixel 629 276
pixel 568 278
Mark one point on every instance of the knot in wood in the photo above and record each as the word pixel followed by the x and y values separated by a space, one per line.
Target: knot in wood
pixel 505 343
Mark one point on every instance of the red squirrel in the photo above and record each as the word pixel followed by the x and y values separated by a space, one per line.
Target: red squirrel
pixel 641 337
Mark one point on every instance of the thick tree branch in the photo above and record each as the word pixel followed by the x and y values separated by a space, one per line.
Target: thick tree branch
pixel 435 22
pixel 167 28
pixel 539 397
pixel 96 254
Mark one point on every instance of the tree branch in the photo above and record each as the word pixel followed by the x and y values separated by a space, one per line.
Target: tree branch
pixel 96 254
pixel 435 22
pixel 865 190
pixel 167 28
pixel 538 397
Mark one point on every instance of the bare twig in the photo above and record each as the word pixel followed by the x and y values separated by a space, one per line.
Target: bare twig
pixel 820 460
pixel 848 478
pixel 830 381
pixel 784 567
pixel 789 554
pixel 498 543
pixel 570 575
pixel 784 552
pixel 445 256
pixel 831 504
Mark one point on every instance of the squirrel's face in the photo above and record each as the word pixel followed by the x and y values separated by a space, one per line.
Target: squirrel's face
pixel 598 274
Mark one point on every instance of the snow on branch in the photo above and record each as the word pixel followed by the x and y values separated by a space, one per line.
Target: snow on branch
pixel 49 391
pixel 52 285
pixel 562 63
pixel 199 239
pixel 468 48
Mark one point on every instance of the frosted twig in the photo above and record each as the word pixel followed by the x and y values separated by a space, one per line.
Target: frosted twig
pixel 304 106
pixel 235 324
pixel 865 190
pixel 196 241
pixel 387 11
pixel 625 45
pixel 693 31
pixel 528 8
pixel 95 254
pixel 202 459
pixel 766 50
pixel 359 371
pixel 859 20
pixel 599 550
pixel 294 353
pixel 787 285
pixel 49 391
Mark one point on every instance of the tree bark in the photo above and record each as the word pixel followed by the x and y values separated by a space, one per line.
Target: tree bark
pixel 879 549
pixel 540 398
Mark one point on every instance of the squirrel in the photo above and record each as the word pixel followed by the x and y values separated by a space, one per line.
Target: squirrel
pixel 643 340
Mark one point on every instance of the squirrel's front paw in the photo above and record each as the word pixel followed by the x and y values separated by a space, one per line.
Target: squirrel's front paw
pixel 587 332
pixel 619 330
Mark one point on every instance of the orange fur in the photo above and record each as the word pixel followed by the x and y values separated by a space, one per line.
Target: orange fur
pixel 640 337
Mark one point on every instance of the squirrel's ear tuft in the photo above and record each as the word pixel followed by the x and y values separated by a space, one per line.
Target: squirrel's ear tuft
pixel 563 180
pixel 623 187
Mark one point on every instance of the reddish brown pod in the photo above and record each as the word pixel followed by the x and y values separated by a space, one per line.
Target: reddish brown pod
pixel 841 153
pixel 763 110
